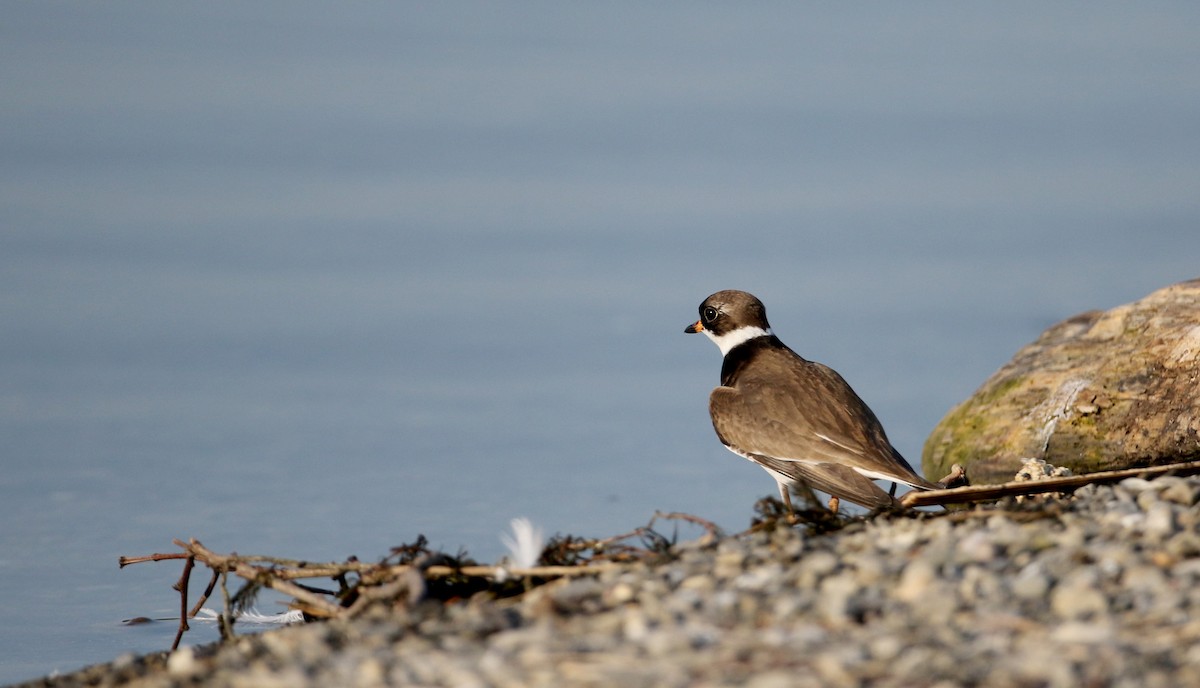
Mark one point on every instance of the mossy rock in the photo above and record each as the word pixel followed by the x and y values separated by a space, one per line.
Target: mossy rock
pixel 1102 390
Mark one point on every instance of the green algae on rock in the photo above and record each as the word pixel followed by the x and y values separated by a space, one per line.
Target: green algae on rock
pixel 1103 390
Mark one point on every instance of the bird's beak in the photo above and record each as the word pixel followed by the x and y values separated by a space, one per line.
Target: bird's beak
pixel 694 328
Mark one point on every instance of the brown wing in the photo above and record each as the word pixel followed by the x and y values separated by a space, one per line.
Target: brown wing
pixel 834 479
pixel 812 415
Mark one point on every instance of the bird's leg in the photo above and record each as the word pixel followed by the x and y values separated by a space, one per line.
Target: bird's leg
pixel 892 492
pixel 834 502
pixel 786 495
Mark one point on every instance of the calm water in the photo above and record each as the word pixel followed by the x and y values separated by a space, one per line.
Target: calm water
pixel 311 284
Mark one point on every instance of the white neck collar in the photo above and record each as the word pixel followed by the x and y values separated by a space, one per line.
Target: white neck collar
pixel 726 342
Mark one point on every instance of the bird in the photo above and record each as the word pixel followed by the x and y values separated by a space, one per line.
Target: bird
pixel 797 419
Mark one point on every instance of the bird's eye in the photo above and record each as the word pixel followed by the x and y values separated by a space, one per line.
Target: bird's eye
pixel 710 314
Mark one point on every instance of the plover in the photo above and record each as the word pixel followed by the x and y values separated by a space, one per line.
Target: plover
pixel 798 419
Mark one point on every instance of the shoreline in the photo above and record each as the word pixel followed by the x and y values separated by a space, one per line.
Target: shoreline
pixel 1095 589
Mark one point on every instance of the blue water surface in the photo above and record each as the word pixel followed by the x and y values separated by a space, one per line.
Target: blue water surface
pixel 309 280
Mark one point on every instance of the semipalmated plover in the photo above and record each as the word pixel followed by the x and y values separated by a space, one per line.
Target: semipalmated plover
pixel 796 418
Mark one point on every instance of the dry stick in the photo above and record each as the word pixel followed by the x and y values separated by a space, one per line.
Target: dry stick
pixel 981 493
pixel 295 568
pixel 614 539
pixel 381 592
pixel 218 561
pixel 265 576
pixel 125 561
pixel 712 529
pixel 212 583
pixel 538 571
pixel 182 587
pixel 412 580
pixel 225 623
pixel 317 604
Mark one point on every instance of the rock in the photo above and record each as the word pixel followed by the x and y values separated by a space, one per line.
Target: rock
pixel 1099 391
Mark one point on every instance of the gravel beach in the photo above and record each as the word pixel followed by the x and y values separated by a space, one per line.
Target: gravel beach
pixel 1099 590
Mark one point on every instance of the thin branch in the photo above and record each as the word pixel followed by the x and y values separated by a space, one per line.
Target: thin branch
pixel 268 577
pixel 212 583
pixel 312 601
pixel 182 587
pixel 225 622
pixel 983 493
pixel 712 531
pixel 122 562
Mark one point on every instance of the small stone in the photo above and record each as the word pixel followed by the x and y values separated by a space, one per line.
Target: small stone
pixel 1160 520
pixel 977 547
pixel 182 663
pixel 815 566
pixel 1038 469
pixel 370 672
pixel 1184 545
pixel 834 602
pixel 758 578
pixel 916 581
pixel 636 627
pixel 701 583
pixel 1136 485
pixel 620 594
pixel 577 595
pixel 1179 491
pixel 886 647
pixel 1084 633
pixel 1076 597
pixel 1031 583
pixel 729 564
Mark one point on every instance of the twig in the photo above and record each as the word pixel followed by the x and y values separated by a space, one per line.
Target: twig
pixel 603 543
pixel 212 583
pixel 982 493
pixel 534 571
pixel 122 562
pixel 319 605
pixel 329 570
pixel 269 578
pixel 225 623
pixel 712 531
pixel 182 587
pixel 293 568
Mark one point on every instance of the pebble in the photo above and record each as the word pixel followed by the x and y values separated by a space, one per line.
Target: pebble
pixel 1101 589
pixel 181 663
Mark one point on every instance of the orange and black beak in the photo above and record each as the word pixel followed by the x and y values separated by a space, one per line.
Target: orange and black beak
pixel 694 328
